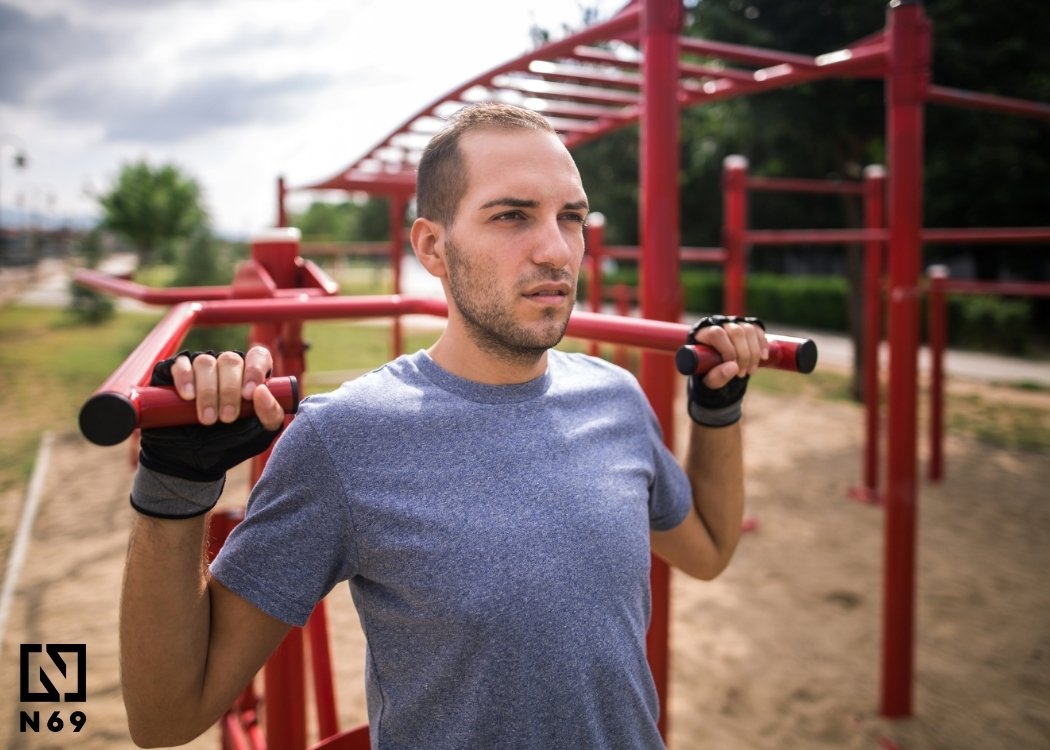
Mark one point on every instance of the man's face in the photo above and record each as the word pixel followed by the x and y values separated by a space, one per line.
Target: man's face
pixel 514 250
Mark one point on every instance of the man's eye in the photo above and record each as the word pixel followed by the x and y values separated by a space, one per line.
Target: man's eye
pixel 578 218
pixel 508 216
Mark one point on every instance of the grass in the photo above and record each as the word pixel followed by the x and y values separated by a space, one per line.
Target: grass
pixel 49 364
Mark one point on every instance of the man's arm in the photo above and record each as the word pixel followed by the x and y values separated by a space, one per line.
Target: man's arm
pixel 188 645
pixel 704 542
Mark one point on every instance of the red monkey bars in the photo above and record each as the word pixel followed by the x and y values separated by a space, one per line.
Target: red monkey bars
pixel 645 36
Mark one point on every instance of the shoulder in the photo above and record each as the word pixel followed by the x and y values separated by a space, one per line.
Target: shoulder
pixel 574 364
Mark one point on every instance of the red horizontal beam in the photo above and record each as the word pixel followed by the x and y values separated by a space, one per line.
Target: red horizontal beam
pixel 984 235
pixel 742 53
pixel 1004 104
pixel 1005 288
pixel 691 254
pixel 803 185
pixel 814 236
pixel 124 389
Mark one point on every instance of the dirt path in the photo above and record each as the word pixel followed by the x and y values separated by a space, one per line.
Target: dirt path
pixel 781 652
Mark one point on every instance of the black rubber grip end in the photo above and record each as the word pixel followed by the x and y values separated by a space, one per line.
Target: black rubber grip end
pixel 685 360
pixel 294 383
pixel 107 418
pixel 806 356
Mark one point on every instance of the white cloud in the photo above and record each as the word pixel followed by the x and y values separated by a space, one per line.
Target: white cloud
pixel 234 92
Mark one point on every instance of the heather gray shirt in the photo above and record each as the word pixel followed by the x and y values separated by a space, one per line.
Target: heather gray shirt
pixel 496 543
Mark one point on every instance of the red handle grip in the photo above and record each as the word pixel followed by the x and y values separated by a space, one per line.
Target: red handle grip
pixel 109 417
pixel 785 353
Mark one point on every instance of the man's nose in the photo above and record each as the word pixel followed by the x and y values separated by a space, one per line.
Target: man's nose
pixel 554 245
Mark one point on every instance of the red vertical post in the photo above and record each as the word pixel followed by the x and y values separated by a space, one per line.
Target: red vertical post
pixel 908 39
pixel 396 204
pixel 282 214
pixel 937 320
pixel 734 226
pixel 661 22
pixel 874 218
pixel 284 691
pixel 321 665
pixel 595 237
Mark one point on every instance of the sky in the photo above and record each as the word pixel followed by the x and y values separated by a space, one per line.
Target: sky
pixel 232 92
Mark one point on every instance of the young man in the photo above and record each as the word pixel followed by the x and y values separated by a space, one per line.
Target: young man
pixel 492 502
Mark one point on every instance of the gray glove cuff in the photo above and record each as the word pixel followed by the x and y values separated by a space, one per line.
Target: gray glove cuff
pixel 720 417
pixel 163 496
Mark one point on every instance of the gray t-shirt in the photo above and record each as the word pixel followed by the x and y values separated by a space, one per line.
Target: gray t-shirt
pixel 496 543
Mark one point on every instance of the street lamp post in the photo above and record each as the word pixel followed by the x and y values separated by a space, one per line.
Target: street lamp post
pixel 20 160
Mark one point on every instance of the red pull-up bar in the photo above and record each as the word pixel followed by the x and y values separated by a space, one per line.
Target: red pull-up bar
pixel 125 401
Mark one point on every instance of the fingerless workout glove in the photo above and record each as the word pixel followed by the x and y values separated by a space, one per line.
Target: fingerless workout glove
pixel 186 465
pixel 716 407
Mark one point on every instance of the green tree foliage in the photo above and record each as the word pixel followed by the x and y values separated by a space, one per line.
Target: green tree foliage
pixel 202 261
pixel 344 222
pixel 152 207
pixel 87 305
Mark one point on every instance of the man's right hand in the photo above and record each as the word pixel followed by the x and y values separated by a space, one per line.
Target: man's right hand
pixel 186 464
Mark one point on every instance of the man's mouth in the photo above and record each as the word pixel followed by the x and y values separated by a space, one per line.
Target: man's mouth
pixel 553 293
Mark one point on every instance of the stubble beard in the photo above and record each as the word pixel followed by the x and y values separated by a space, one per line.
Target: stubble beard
pixel 491 325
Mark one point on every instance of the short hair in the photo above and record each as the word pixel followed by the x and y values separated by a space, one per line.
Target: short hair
pixel 441 178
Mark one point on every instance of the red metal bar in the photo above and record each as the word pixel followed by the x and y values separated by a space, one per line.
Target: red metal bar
pixel 908 37
pixel 734 229
pixel 595 243
pixel 321 665
pixel 585 73
pixel 1002 104
pixel 661 24
pixel 1005 288
pixel 785 353
pixel 938 342
pixel 874 218
pixel 982 235
pixel 622 300
pixel 397 205
pixel 744 54
pixel 105 282
pixel 814 236
pixel 284 686
pixel 282 192
pixel 803 185
pixel 859 61
pixel 111 416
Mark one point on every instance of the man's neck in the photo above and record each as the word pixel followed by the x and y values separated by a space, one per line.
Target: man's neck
pixel 456 352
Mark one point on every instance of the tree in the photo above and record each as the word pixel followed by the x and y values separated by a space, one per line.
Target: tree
pixel 86 304
pixel 151 208
pixel 348 221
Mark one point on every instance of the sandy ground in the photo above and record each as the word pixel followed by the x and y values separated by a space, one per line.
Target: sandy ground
pixel 783 651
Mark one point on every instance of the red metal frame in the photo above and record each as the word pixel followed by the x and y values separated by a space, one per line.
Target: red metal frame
pixel 940 286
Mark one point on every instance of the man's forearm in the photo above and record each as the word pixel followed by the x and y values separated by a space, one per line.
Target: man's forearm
pixel 164 626
pixel 714 464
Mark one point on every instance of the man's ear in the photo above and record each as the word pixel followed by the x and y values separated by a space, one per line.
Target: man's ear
pixel 428 244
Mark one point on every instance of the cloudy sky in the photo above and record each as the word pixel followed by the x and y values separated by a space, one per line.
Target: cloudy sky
pixel 233 92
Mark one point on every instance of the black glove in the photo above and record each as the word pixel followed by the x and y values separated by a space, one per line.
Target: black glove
pixel 716 407
pixel 192 458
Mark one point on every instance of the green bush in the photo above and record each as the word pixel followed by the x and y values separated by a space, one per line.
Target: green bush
pixel 982 322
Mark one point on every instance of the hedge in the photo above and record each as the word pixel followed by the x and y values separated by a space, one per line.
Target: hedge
pixel 982 322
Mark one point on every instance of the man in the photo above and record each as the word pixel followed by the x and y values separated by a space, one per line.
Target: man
pixel 492 503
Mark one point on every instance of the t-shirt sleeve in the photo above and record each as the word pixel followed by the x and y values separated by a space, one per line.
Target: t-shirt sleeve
pixel 296 541
pixel 670 494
